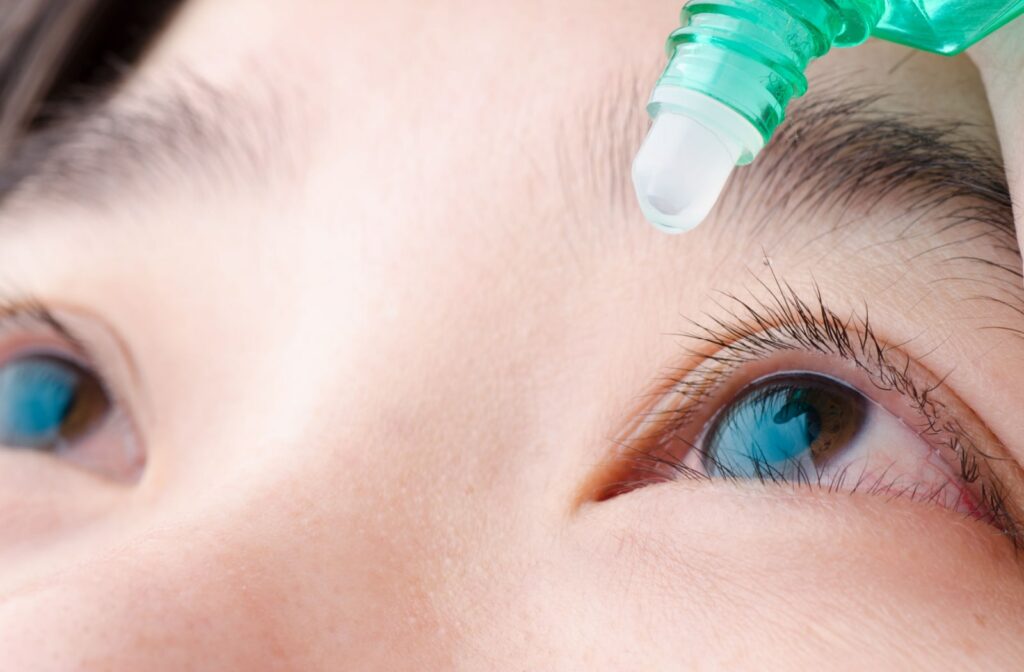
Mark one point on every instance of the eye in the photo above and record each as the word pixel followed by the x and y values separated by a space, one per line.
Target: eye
pixel 808 428
pixel 52 404
pixel 48 403
pixel 785 426
pixel 781 390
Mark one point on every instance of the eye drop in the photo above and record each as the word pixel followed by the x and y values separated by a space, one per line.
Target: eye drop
pixel 734 65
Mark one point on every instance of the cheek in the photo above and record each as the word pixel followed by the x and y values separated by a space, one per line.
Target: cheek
pixel 211 579
pixel 722 578
pixel 191 599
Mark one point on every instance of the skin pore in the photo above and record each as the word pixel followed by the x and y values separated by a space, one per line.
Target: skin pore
pixel 384 338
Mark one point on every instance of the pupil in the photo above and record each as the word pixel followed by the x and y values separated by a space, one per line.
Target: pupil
pixel 37 395
pixel 776 429
pixel 804 414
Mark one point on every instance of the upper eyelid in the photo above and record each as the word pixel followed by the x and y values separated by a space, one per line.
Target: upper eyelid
pixel 786 322
pixel 754 329
pixel 92 341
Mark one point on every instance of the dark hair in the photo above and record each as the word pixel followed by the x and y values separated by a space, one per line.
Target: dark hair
pixel 54 50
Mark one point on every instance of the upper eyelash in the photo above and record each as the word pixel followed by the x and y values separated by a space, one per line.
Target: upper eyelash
pixel 33 310
pixel 30 312
pixel 755 328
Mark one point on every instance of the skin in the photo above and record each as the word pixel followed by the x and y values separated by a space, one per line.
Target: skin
pixel 376 391
pixel 1000 60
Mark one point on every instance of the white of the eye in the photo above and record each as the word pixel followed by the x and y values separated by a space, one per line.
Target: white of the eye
pixel 889 455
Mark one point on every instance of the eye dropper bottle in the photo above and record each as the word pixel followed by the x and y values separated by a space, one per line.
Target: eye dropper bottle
pixel 734 65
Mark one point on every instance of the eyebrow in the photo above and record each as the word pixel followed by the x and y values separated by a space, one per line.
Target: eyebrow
pixel 843 149
pixel 839 151
pixel 185 130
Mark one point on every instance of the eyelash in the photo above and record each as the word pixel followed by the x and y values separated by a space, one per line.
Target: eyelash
pixel 32 320
pixel 754 330
pixel 33 316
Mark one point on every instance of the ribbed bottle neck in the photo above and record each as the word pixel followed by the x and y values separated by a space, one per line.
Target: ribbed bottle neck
pixel 750 55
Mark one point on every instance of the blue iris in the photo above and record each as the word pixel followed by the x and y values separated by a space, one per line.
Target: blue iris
pixel 36 396
pixel 782 427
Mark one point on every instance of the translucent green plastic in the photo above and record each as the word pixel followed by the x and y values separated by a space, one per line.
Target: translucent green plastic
pixel 751 54
pixel 945 26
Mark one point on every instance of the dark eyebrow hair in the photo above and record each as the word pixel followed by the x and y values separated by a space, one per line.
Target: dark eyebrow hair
pixel 186 128
pixel 840 148
pixel 844 152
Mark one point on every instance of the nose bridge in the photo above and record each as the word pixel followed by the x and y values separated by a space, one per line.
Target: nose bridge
pixel 275 575
pixel 350 521
pixel 310 516
pixel 184 589
pixel 319 559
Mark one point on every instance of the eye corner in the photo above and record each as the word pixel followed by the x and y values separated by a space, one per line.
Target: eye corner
pixel 59 397
pixel 667 438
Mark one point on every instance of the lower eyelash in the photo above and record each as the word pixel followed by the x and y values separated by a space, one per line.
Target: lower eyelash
pixel 754 330
pixel 846 480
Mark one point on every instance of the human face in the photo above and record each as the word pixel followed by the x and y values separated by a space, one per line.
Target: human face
pixel 389 351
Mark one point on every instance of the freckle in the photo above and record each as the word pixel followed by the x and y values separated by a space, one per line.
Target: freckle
pixel 980 619
pixel 970 647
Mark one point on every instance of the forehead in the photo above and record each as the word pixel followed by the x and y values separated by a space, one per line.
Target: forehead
pixel 507 143
pixel 468 79
pixel 501 175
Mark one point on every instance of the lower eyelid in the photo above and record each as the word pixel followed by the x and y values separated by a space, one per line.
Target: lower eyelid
pixel 673 424
pixel 693 513
pixel 28 483
pixel 112 448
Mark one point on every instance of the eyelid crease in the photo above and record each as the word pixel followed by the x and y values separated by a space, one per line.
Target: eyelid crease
pixel 23 309
pixel 29 309
pixel 755 329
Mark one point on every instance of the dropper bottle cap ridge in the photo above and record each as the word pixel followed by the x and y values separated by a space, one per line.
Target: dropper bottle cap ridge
pixel 733 67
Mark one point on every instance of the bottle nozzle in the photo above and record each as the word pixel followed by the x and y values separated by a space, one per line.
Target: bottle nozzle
pixel 680 171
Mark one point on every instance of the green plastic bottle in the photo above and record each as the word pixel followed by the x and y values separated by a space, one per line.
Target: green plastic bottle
pixel 734 65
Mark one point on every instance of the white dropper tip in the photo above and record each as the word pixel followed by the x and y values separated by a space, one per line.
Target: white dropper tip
pixel 680 171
